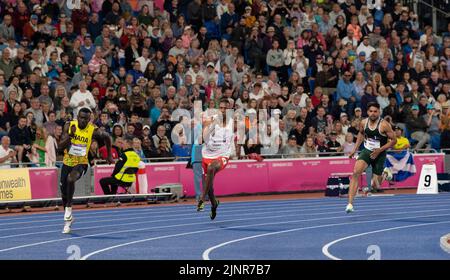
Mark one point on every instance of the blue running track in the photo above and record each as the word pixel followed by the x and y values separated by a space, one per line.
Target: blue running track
pixel 388 227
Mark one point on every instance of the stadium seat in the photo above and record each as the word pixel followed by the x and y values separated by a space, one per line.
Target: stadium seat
pixel 129 170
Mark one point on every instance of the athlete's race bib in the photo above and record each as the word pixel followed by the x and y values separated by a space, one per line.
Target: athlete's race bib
pixel 78 150
pixel 372 144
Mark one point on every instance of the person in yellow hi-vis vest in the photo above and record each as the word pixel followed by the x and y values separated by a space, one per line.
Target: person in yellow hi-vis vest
pixel 125 170
pixel 76 142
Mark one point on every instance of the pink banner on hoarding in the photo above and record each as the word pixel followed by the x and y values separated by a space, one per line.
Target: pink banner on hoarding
pixel 242 177
pixel 44 182
pixel 101 171
pixel 277 175
pixel 305 174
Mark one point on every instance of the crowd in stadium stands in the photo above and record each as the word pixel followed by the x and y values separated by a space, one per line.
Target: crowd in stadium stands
pixel 314 63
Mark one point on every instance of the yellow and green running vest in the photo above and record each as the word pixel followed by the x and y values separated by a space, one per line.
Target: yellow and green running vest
pixel 132 161
pixel 80 145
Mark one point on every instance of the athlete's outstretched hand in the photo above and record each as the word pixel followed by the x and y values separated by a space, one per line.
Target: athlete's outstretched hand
pixel 352 154
pixel 375 153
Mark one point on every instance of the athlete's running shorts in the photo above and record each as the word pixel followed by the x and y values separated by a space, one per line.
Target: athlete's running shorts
pixel 207 161
pixel 377 163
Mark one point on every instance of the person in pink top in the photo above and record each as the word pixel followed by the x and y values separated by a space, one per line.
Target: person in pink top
pixel 96 61
pixel 354 26
pixel 187 37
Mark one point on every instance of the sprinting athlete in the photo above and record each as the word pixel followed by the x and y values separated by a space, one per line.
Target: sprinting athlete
pixel 378 137
pixel 76 141
pixel 218 135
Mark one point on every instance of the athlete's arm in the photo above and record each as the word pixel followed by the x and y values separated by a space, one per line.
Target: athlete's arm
pixel 359 139
pixel 208 128
pixel 387 129
pixel 65 139
pixel 99 134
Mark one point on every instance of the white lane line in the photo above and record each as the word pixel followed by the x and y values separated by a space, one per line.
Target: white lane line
pixel 165 209
pixel 369 208
pixel 149 211
pixel 208 251
pixel 326 247
pixel 188 224
pixel 331 206
pixel 177 213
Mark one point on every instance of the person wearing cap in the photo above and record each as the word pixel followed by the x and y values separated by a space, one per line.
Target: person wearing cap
pixel 402 142
pixel 168 82
pixel 359 62
pixel 333 144
pixel 365 47
pixel 346 90
pixel 417 127
pixel 291 150
pixel 249 18
pixel 125 169
pixel 30 27
pixel 211 73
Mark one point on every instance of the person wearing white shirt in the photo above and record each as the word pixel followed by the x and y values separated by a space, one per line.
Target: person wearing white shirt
pixel 289 54
pixel 144 60
pixel 350 39
pixel 82 98
pixel 300 64
pixel 375 4
pixel 51 48
pixel 257 92
pixel 12 47
pixel 366 48
pixel 7 155
pixel 222 8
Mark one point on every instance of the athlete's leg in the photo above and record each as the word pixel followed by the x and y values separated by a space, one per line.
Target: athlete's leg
pixel 376 181
pixel 378 167
pixel 197 167
pixel 359 168
pixel 73 176
pixel 369 178
pixel 211 171
pixel 69 175
pixel 65 170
